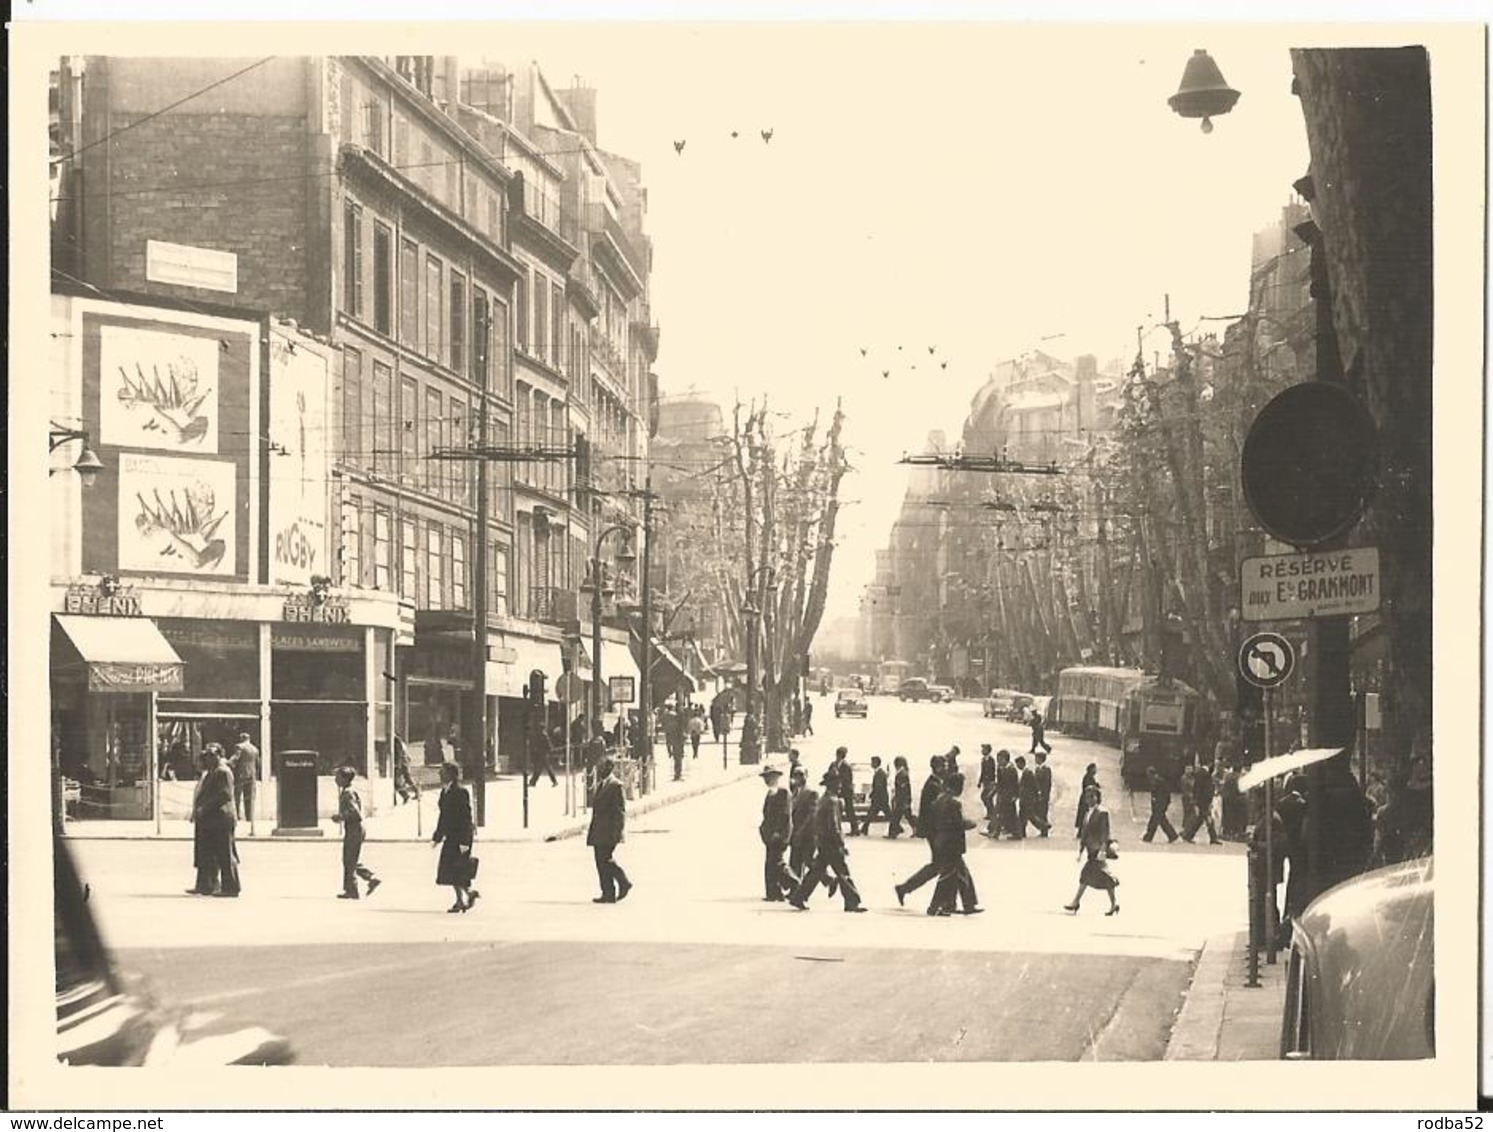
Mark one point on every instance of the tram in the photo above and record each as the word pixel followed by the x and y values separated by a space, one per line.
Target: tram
pixel 1153 722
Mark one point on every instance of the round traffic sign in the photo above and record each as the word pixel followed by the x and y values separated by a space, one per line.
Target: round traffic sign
pixel 1266 659
pixel 1310 463
pixel 570 688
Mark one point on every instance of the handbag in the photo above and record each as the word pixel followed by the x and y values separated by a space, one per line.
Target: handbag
pixel 1110 852
pixel 472 863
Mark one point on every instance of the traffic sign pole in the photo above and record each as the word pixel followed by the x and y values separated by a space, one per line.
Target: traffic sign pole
pixel 1272 913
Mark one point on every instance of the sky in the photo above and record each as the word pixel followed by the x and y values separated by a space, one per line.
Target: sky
pixel 979 189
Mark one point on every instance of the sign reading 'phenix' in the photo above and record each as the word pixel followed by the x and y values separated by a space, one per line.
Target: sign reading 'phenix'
pixel 1286 587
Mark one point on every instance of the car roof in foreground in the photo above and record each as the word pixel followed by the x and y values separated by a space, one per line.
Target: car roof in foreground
pixel 1358 907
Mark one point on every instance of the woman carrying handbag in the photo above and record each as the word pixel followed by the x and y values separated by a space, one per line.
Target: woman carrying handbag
pixel 1098 848
pixel 454 832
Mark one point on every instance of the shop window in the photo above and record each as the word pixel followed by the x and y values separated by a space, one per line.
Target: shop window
pixel 221 658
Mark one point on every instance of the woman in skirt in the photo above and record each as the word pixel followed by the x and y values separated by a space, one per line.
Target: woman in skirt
pixel 1094 841
pixel 454 832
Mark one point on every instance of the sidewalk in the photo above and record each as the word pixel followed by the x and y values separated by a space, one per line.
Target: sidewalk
pixel 550 814
pixel 1221 1018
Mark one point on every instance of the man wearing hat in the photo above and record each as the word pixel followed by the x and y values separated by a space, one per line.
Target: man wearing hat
pixel 802 840
pixel 776 829
pixel 830 856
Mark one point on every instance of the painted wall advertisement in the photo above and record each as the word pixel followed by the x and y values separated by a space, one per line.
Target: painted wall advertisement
pixel 173 399
pixel 299 466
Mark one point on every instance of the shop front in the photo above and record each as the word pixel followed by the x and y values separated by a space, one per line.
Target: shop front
pixel 106 674
pixel 436 687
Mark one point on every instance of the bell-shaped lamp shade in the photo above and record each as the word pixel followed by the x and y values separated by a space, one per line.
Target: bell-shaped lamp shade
pixel 88 466
pixel 1203 92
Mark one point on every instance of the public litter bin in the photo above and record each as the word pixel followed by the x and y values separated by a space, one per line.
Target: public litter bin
pixel 295 794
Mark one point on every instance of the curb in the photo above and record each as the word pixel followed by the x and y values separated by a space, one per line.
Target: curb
pixel 334 836
pixel 1199 1024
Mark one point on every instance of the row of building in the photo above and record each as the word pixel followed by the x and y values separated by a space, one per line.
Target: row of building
pixel 282 292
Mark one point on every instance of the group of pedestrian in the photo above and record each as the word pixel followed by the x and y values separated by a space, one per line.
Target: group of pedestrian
pixel 1015 796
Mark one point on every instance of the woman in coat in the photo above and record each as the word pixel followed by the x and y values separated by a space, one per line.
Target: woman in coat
pixel 1094 842
pixel 454 832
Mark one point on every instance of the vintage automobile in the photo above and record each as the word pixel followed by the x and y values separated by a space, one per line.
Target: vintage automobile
pixel 850 702
pixel 1360 978
pixel 941 693
pixel 915 688
pixel 105 1017
pixel 998 704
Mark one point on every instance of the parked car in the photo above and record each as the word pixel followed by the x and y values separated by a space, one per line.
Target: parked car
pixel 850 702
pixel 998 704
pixel 105 1017
pixel 941 693
pixel 914 688
pixel 1360 980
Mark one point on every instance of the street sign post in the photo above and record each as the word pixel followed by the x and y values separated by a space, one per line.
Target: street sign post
pixel 1286 587
pixel 1266 660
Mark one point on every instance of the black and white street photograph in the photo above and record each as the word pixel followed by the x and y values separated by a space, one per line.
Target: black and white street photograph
pixel 765 548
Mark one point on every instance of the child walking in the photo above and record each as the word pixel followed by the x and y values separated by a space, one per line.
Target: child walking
pixel 350 816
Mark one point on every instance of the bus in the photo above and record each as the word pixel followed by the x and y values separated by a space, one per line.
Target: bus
pixel 889 676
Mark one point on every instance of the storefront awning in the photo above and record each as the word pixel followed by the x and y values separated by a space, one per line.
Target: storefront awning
pixel 668 671
pixel 522 655
pixel 123 654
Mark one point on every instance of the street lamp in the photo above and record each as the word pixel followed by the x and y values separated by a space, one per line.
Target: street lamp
pixel 87 465
pixel 597 586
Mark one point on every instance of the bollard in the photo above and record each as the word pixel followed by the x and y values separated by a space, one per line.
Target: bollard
pixel 1256 914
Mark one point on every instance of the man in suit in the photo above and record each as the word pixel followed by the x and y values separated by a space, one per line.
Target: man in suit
pixel 1038 740
pixel 987 786
pixel 829 858
pixel 776 830
pixel 1007 790
pixel 1202 801
pixel 245 763
pixel 1161 799
pixel 1026 797
pixel 932 788
pixel 844 786
pixel 608 821
pixel 801 838
pixel 212 813
pixel 1042 773
pixel 880 803
pixel 901 798
pixel 948 844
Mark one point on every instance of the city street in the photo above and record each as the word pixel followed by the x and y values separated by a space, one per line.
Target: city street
pixel 693 966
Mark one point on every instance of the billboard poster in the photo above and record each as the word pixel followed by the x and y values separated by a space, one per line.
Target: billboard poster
pixel 158 390
pixel 177 515
pixel 298 468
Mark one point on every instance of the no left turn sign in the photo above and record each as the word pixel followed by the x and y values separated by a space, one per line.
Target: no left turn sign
pixel 1266 659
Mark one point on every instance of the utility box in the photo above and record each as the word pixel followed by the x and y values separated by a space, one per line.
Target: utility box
pixel 295 795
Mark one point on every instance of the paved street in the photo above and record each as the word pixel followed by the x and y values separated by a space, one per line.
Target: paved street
pixel 681 971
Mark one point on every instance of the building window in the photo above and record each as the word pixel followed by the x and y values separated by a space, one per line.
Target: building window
pixel 499 572
pixel 380 438
pixel 557 325
pixel 435 296
pixel 521 311
pixel 380 549
pixel 459 437
pixel 541 317
pixel 434 571
pixel 480 337
pixel 494 217
pixel 374 125
pixel 352 259
pixel 453 188
pixel 383 278
pixel 352 539
pixel 352 406
pixel 409 294
pixel 409 582
pixel 500 350
pixel 458 570
pixel 401 142
pixel 433 431
pixel 410 470
pixel 458 356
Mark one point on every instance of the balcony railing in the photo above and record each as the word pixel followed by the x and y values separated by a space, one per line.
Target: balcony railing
pixel 551 605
